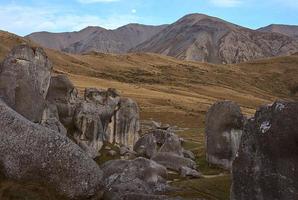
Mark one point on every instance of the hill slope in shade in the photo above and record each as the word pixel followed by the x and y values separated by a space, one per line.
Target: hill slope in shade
pixel 97 39
pixel 208 39
pixel 289 30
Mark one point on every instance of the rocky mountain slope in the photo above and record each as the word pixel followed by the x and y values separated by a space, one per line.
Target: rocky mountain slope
pixel 195 37
pixel 209 39
pixel 291 31
pixel 97 39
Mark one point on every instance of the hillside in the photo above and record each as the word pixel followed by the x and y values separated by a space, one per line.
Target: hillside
pixel 209 39
pixel 165 84
pixel 97 39
pixel 289 30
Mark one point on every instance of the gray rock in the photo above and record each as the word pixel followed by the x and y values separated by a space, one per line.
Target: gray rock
pixel 186 171
pixel 125 126
pixel 160 135
pixel 188 154
pixel 142 176
pixel 224 124
pixel 123 150
pixel 55 125
pixel 90 130
pixel 24 81
pixel 172 144
pixel 146 146
pixel 31 152
pixel 173 161
pixel 64 96
pixel 112 153
pixel 266 166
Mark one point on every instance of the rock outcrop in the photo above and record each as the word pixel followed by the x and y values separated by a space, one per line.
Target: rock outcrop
pixel 135 177
pixel 29 151
pixel 125 125
pixel 224 124
pixel 64 96
pixel 267 163
pixel 164 147
pixel 24 81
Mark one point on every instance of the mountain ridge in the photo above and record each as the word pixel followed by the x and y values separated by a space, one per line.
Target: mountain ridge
pixel 195 36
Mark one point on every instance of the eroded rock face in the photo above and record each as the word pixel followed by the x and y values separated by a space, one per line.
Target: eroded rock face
pixel 126 123
pixel 173 161
pixel 224 124
pixel 146 146
pixel 64 96
pixel 24 79
pixel 92 118
pixel 267 163
pixel 172 144
pixel 31 152
pixel 140 176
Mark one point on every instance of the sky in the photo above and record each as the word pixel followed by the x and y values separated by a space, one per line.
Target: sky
pixel 26 16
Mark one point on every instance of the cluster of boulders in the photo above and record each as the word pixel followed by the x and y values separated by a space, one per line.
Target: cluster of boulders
pixel 50 134
pixel 262 151
pixel 162 145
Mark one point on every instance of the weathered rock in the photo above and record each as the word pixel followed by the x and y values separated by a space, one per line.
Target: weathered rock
pixel 90 130
pixel 173 161
pixel 24 81
pixel 146 146
pixel 142 176
pixel 267 163
pixel 160 135
pixel 188 154
pixel 112 153
pixel 172 144
pixel 125 125
pixel 31 152
pixel 55 125
pixel 64 95
pixel 224 124
pixel 186 171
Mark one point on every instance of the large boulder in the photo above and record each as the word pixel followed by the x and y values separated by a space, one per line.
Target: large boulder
pixel 173 161
pixel 224 124
pixel 30 152
pixel 146 146
pixel 267 163
pixel 126 125
pixel 64 96
pixel 172 144
pixel 126 177
pixel 24 81
pixel 92 118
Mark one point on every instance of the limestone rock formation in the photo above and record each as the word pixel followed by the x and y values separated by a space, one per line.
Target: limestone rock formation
pixel 173 161
pixel 139 177
pixel 31 152
pixel 267 164
pixel 172 144
pixel 24 78
pixel 224 124
pixel 146 146
pixel 64 96
pixel 125 125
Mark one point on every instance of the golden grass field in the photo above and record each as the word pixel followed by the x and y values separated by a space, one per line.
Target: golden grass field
pixel 179 93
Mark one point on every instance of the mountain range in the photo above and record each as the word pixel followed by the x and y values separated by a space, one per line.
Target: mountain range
pixel 194 37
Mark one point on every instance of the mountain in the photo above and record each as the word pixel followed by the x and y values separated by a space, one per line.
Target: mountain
pixel 209 39
pixel 289 30
pixel 97 39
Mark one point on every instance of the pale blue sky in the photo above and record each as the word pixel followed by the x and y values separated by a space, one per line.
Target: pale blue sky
pixel 25 16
